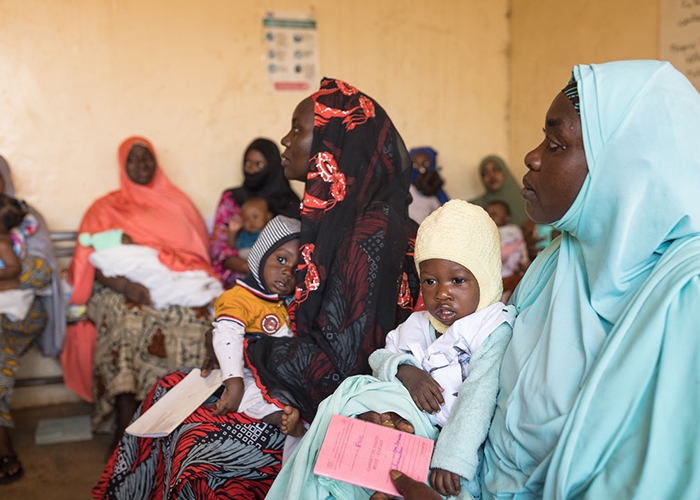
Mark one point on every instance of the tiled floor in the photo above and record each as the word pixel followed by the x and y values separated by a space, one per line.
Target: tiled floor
pixel 66 471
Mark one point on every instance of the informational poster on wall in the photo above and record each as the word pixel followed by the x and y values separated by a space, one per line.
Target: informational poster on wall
pixel 292 50
pixel 680 37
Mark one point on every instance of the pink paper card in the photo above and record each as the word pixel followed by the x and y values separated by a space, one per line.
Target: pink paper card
pixel 363 453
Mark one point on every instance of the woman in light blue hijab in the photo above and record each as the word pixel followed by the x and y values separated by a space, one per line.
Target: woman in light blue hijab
pixel 600 386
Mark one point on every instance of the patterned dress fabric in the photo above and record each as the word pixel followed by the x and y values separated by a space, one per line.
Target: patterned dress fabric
pixel 207 457
pixel 17 336
pixel 270 184
pixel 137 344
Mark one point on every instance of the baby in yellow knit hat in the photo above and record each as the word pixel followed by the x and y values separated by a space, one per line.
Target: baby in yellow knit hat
pixel 465 330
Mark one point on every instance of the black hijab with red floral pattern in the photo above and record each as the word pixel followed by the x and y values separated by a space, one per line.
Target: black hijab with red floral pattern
pixel 356 279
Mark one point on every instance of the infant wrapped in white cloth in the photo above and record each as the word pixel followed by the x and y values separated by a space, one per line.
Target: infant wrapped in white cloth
pixel 140 264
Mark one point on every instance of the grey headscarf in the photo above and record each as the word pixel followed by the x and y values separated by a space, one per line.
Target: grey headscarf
pixel 39 244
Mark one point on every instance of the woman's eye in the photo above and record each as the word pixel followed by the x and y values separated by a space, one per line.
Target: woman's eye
pixel 281 260
pixel 552 146
pixel 428 281
pixel 459 281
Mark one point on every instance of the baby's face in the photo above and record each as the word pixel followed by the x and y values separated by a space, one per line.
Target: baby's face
pixel 498 213
pixel 254 218
pixel 280 269
pixel 450 290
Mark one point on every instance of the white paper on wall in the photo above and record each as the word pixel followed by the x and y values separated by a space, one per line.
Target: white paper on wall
pixel 680 37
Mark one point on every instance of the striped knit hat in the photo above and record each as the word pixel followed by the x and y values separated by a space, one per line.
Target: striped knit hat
pixel 464 233
pixel 276 233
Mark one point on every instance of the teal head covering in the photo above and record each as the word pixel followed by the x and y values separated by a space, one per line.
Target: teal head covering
pixel 600 386
pixel 509 192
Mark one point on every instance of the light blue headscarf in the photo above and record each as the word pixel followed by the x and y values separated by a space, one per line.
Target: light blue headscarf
pixel 600 386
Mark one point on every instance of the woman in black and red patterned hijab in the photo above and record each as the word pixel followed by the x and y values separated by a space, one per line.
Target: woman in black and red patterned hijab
pixel 355 278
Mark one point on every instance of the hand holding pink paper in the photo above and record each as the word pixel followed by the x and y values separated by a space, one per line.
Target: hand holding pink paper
pixel 363 453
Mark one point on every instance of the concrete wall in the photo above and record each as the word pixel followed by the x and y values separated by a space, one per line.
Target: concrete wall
pixel 549 37
pixel 78 76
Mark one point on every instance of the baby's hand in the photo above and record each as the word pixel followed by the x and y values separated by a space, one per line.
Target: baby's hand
pixel 445 482
pixel 426 393
pixel 234 225
pixel 231 399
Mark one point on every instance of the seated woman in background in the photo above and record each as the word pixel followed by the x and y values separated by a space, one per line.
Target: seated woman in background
pixel 599 393
pixel 426 184
pixel 355 283
pixel 136 343
pixel 501 185
pixel 263 178
pixel 45 320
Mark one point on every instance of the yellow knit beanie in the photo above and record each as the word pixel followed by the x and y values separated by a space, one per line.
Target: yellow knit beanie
pixel 465 234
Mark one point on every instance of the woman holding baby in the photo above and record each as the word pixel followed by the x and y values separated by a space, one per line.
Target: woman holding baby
pixel 135 342
pixel 263 178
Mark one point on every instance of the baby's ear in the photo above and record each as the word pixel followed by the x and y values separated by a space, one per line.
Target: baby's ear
pixel 269 216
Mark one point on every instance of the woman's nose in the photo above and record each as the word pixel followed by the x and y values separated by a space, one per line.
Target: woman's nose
pixel 532 159
pixel 285 141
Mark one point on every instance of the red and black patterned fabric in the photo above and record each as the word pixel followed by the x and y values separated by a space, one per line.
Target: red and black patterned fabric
pixel 207 457
pixel 356 280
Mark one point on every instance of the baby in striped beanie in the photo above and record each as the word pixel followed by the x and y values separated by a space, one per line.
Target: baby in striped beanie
pixel 256 306
pixel 458 256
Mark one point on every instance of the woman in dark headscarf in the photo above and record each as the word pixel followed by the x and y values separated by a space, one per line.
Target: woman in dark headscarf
pixel 263 178
pixel 45 319
pixel 354 235
pixel 355 283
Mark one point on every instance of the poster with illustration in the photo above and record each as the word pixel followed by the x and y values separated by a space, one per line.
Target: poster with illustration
pixel 292 50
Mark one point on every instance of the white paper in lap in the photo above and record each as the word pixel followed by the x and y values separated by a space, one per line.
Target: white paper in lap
pixel 172 409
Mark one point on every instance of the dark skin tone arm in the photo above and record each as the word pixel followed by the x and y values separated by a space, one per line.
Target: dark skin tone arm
pixel 9 276
pixel 235 263
pixel 133 292
pixel 424 390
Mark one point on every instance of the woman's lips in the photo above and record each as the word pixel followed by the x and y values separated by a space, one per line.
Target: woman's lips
pixel 527 193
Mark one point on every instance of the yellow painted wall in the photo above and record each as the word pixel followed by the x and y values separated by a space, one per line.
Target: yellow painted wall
pixel 549 37
pixel 78 76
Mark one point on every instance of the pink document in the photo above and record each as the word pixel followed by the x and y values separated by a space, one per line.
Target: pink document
pixel 363 453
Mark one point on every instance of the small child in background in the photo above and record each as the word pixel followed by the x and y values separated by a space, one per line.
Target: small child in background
pixel 514 255
pixel 244 231
pixel 257 306
pixel 15 303
pixel 12 213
